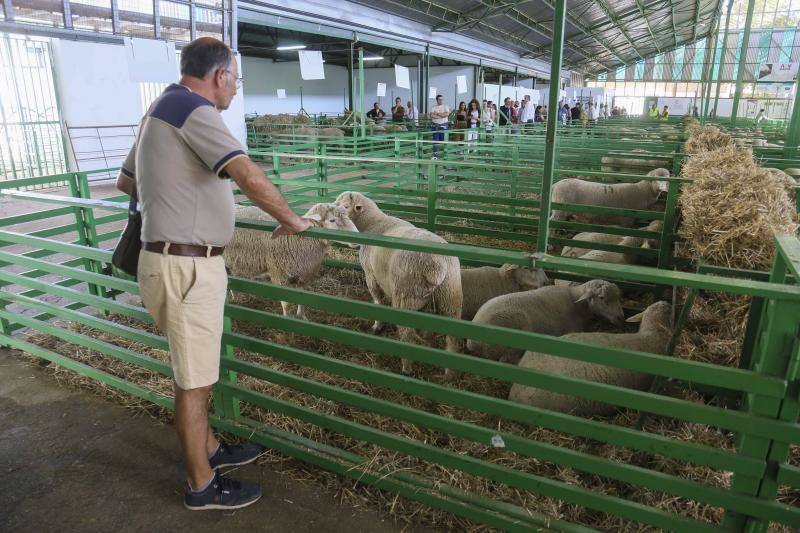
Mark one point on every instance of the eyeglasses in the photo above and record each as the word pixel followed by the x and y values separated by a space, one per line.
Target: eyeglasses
pixel 239 81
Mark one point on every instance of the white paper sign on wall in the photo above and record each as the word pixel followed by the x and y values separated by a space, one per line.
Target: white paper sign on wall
pixel 432 92
pixel 151 61
pixel 401 78
pixel 281 93
pixel 311 67
pixel 381 89
pixel 461 82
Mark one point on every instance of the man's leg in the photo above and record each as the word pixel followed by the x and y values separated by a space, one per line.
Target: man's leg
pixel 191 422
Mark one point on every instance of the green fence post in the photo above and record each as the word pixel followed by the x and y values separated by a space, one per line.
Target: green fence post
pixel 276 167
pixel 722 57
pixel 432 186
pixel 667 236
pixel 322 169
pixel 742 61
pixel 226 404
pixel 514 178
pixel 552 122
pixel 777 354
pixel 84 226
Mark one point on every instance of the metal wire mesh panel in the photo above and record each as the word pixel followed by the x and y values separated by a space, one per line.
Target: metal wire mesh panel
pixel 31 142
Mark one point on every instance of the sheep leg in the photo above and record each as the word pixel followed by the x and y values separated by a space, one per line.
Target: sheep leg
pixel 406 334
pixel 301 312
pixel 448 301
pixel 285 307
pixel 378 297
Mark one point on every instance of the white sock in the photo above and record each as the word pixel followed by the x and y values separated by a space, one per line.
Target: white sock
pixel 204 487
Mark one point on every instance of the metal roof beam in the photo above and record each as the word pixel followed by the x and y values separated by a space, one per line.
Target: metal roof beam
pixel 621 27
pixel 647 23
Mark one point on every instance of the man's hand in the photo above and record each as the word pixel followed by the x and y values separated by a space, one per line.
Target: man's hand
pixel 286 230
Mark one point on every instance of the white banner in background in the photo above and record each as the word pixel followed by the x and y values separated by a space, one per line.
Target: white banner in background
pixel 401 78
pixel 281 93
pixel 777 72
pixel 461 82
pixel 432 92
pixel 381 89
pixel 311 67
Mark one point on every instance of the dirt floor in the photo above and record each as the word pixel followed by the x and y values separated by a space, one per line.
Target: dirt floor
pixel 70 461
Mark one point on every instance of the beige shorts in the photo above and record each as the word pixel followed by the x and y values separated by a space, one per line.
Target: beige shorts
pixel 186 296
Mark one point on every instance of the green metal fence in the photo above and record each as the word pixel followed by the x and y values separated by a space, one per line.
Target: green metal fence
pixel 501 434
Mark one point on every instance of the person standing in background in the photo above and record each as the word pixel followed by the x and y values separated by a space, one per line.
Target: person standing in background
pixel 412 115
pixel 398 111
pixel 439 122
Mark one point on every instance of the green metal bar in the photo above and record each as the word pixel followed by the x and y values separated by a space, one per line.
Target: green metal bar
pixel 363 120
pixel 742 61
pixel 709 74
pixel 793 132
pixel 552 124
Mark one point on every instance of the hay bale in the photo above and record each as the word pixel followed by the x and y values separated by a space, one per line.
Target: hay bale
pixel 733 209
pixel 706 139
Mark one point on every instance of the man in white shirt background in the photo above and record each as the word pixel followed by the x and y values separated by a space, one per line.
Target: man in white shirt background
pixel 439 121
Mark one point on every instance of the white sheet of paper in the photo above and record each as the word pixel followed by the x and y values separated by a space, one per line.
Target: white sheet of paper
pixel 401 78
pixel 281 93
pixel 151 61
pixel 461 81
pixel 311 65
pixel 432 92
pixel 381 89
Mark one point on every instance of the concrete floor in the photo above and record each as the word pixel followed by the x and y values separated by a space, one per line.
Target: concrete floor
pixel 70 461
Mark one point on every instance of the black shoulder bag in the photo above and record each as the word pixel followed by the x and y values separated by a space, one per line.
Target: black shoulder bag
pixel 126 254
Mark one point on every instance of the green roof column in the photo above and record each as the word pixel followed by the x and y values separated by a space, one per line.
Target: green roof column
pixel 742 61
pixel 705 103
pixel 793 134
pixel 552 122
pixel 722 57
pixel 361 92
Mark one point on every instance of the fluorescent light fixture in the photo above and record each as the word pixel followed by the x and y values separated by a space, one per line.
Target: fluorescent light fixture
pixel 373 58
pixel 291 47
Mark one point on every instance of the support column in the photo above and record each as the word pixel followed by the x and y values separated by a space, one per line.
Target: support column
pixel 420 84
pixel 350 85
pixel 706 105
pixel 475 70
pixel 361 92
pixel 793 133
pixel 742 61
pixel 427 76
pixel 552 123
pixel 722 56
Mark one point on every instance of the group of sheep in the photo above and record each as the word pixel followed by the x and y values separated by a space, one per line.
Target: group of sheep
pixel 509 296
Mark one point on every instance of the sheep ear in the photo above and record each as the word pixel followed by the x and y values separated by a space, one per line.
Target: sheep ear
pixel 585 296
pixel 314 216
pixel 507 270
pixel 635 319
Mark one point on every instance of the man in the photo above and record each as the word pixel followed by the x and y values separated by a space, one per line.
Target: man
pixel 576 113
pixel 760 117
pixel 179 166
pixel 592 114
pixel 398 112
pixel 376 113
pixel 653 111
pixel 526 111
pixel 665 113
pixel 439 121
pixel 505 111
pixel 412 115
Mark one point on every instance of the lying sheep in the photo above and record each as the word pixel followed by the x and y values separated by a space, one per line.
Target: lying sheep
pixel 631 165
pixel 331 132
pixel 407 279
pixel 551 310
pixel 606 238
pixel 306 134
pixel 653 337
pixel 640 195
pixel 479 285
pixel 291 260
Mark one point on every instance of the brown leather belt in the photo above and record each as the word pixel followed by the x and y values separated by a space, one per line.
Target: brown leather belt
pixel 187 250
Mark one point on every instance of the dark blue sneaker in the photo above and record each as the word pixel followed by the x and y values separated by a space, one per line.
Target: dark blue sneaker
pixel 235 454
pixel 222 493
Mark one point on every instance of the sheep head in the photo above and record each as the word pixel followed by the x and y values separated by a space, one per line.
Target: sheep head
pixel 331 216
pixel 527 278
pixel 355 204
pixel 658 314
pixel 660 172
pixel 659 186
pixel 603 299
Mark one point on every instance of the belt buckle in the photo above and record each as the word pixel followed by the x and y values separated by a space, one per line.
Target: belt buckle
pixel 208 250
pixel 165 250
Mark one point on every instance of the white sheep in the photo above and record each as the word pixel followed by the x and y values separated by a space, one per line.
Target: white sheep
pixel 641 195
pixel 330 132
pixel 606 238
pixel 291 260
pixel 403 278
pixel 631 165
pixel 653 337
pixel 479 285
pixel 551 310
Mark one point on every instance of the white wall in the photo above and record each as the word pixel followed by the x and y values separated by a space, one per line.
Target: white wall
pixel 264 78
pixel 95 89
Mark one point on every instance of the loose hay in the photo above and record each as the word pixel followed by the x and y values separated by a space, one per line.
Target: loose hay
pixel 733 209
pixel 706 139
